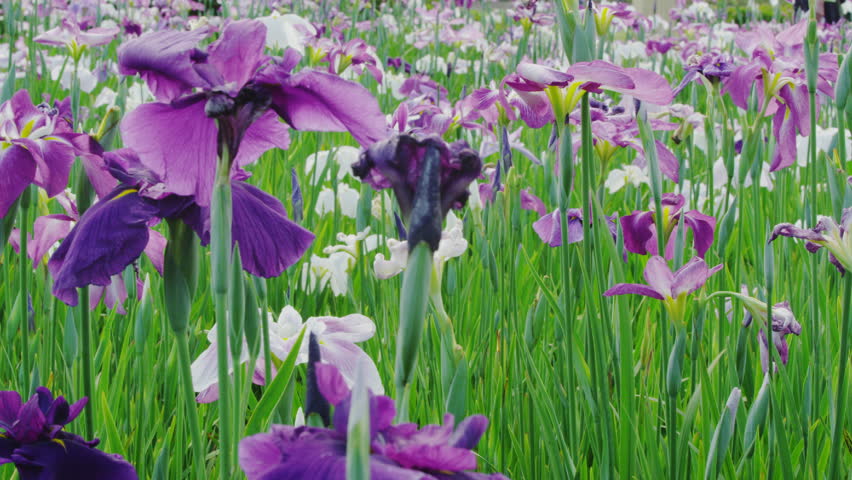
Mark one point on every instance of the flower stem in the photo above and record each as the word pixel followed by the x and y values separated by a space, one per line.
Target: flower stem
pixel 220 246
pixel 24 286
pixel 842 400
pixel 88 379
pixel 189 403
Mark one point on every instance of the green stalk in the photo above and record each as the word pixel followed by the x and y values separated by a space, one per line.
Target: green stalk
pixel 220 246
pixel 189 403
pixel 566 166
pixel 841 401
pixel 26 197
pixel 87 357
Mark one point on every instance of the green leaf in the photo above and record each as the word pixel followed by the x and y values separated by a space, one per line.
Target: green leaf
pixel 262 414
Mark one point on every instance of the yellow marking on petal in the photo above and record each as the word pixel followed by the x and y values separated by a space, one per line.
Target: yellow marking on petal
pixel 5 144
pixel 126 192
pixel 28 129
pixel 3 435
pixel 60 442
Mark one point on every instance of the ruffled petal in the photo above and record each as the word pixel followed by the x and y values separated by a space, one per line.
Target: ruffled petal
pixel 17 171
pixel 70 460
pixel 269 242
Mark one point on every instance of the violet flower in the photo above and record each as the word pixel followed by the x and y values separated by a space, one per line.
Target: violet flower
pixel 114 232
pixel 37 145
pixel 396 163
pixel 549 226
pixel 671 288
pixel 35 443
pixel 399 452
pixel 547 94
pixel 640 228
pixel 50 229
pixel 827 233
pixel 225 93
pixel 70 34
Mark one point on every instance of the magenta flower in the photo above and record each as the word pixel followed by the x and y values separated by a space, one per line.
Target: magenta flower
pixel 783 323
pixel 640 228
pixel 671 288
pixel 226 93
pixel 37 145
pixel 35 443
pixel 399 452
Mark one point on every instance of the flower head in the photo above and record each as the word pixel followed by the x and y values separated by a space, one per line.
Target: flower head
pixel 827 233
pixel 671 288
pixel 337 338
pixel 640 228
pixel 37 145
pixel 35 442
pixel 397 163
pixel 399 452
pixel 783 323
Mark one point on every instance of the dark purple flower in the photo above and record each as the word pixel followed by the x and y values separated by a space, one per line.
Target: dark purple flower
pixel 222 95
pixel 828 234
pixel 397 162
pixel 399 452
pixel 640 228
pixel 37 145
pixel 35 443
pixel 713 65
pixel 115 231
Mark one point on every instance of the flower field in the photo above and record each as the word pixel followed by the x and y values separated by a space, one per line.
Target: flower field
pixel 425 240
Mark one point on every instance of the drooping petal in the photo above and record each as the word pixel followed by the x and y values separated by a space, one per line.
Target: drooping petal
pixel 10 405
pixel 548 228
pixel 469 431
pixel 703 227
pixel 17 171
pixel 110 236
pixel 177 144
pixel 331 383
pixel 269 242
pixel 318 101
pixel 53 159
pixel 633 289
pixel 345 356
pixel 70 460
pixel 265 133
pixel 164 59
pixel 47 230
pixel 531 202
pixel 639 233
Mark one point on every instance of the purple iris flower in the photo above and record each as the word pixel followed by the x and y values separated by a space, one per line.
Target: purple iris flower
pixel 71 34
pixel 549 226
pixel 38 145
pixel 49 229
pixel 399 452
pixel 671 288
pixel 640 228
pixel 224 94
pixel 713 65
pixel 35 443
pixel 827 233
pixel 397 163
pixel 545 91
pixel 119 226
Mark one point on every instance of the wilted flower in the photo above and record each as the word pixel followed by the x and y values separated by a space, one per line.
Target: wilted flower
pixel 35 443
pixel 827 233
pixel 398 452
